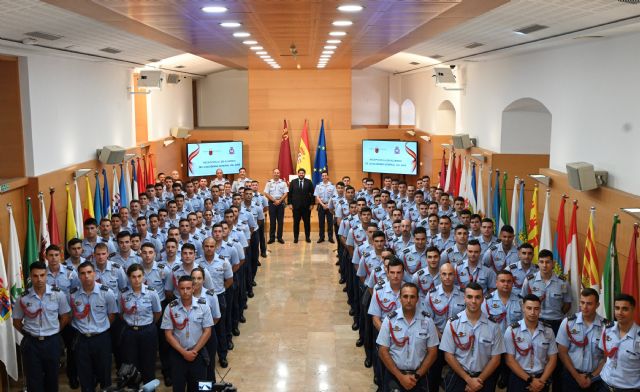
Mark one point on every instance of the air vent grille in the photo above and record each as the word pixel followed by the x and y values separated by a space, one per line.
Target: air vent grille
pixel 42 35
pixel 436 56
pixel 531 29
pixel 110 50
pixel 474 45
pixel 414 63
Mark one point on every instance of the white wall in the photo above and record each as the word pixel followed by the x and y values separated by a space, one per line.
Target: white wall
pixel 170 107
pixel 71 107
pixel 223 99
pixel 369 97
pixel 525 132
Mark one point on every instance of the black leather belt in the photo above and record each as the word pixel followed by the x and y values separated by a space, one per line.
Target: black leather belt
pixel 614 389
pixel 474 374
pixel 40 338
pixel 139 327
pixel 92 335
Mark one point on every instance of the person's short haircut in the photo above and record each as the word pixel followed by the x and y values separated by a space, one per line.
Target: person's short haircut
pixel 228 211
pixel 123 234
pixel 507 229
pixel 365 209
pixel 588 292
pixel 445 217
pixel 185 278
pixel 141 218
pixel 133 268
pixel 544 253
pixel 73 241
pixel 171 240
pixel 86 264
pixel 465 212
pixel 408 285
pixel 504 272
pixel 37 265
pixel 473 242
pixel 189 246
pixel 525 245
pixel 475 286
pixel 115 215
pixel 419 230
pixel 487 220
pixel 339 183
pixel 625 297
pixel 419 192
pixel 378 234
pixel 459 199
pixel 531 297
pixel 475 216
pixel 198 269
pixel 148 245
pixel 433 249
pixel 301 170
pixel 105 220
pixel 90 222
pixel 461 227
pixel 100 246
pixel 178 196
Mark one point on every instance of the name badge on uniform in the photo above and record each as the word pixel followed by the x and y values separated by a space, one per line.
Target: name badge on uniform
pixel 397 329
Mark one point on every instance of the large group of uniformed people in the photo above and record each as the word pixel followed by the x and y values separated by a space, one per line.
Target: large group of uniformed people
pixel 437 298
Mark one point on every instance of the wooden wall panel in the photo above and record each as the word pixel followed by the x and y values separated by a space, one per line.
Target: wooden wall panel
pixel 140 112
pixel 12 146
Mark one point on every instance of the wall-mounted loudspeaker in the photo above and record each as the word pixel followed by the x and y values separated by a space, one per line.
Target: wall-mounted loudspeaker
pixel 583 177
pixel 462 141
pixel 179 133
pixel 150 78
pixel 444 75
pixel 173 78
pixel 111 154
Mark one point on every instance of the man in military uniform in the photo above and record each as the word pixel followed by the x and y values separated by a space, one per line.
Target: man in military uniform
pixel 473 344
pixel 531 351
pixel 458 252
pixel 503 253
pixel 187 324
pixel 323 193
pixel 621 346
pixel 578 339
pixel 428 277
pixel 261 201
pixel 140 309
pixel 125 257
pixel 406 238
pixel 408 344
pixel 503 304
pixel 94 308
pixel 472 270
pixel 524 267
pixel 414 256
pixel 276 192
pixel 40 315
pixel 445 239
pixel 188 254
pixel 242 181
pixel 487 239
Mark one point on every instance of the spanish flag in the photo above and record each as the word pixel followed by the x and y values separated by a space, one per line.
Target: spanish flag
pixel 304 157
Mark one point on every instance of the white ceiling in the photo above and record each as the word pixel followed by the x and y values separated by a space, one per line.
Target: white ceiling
pixel 495 28
pixel 402 61
pixel 188 62
pixel 86 35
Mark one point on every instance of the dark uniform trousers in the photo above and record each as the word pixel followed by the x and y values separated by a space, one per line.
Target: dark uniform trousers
pixel 116 329
pixel 391 384
pixel 41 358
pixel 212 347
pixel 517 384
pixel 325 215
pixel 232 306
pixel 276 216
pixel 453 383
pixel 556 378
pixel 139 346
pixel 163 346
pixel 570 384
pixel 187 374
pixel 253 267
pixel 220 328
pixel 93 360
pixel 435 372
pixel 68 335
pixel 366 324
pixel 263 242
pixel 602 387
pixel 303 213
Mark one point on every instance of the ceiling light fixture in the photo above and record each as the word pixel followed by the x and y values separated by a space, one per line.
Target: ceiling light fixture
pixel 350 8
pixel 261 52
pixel 231 24
pixel 530 29
pixel 249 42
pixel 330 47
pixel 241 34
pixel 325 56
pixel 328 52
pixel 342 23
pixel 333 41
pixel 337 33
pixel 256 48
pixel 214 9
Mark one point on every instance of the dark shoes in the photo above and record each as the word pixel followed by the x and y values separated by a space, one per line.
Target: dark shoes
pixel 331 241
pixel 271 241
pixel 295 240
pixel 359 343
pixel 367 363
pixel 224 363
pixel 321 240
pixel 308 240
pixel 235 332
pixel 281 241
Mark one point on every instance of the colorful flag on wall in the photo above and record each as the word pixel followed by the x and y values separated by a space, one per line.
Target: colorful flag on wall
pixel 532 225
pixel 78 213
pixel 515 199
pixel 610 276
pixel 117 198
pixel 545 230
pixel 560 241
pixel 474 189
pixel 31 243
pixel 522 221
pixel 125 184
pixel 504 211
pixel 481 207
pixel 151 175
pixel 16 275
pixel 142 181
pixel 45 238
pixel 284 157
pixel 304 156
pixel 97 201
pixel 106 197
pixel 443 170
pixel 495 212
pixel 450 170
pixel 571 266
pixel 88 210
pixel 8 354
pixel 134 181
pixel 320 163
pixel 70 228
pixel 590 273
pixel 630 285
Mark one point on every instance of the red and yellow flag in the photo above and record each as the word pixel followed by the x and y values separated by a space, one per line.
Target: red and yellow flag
pixel 590 274
pixel 304 157
pixel 533 237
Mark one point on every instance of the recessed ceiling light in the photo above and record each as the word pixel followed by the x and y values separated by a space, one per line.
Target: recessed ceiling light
pixel 265 56
pixel 249 42
pixel 230 24
pixel 350 8
pixel 333 41
pixel 214 9
pixel 325 56
pixel 276 66
pixel 328 52
pixel 530 29
pixel 337 33
pixel 342 23
pixel 241 34
pixel 261 52
pixel 330 47
pixel 256 48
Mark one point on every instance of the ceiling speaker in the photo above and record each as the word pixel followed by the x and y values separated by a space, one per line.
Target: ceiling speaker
pixel 173 78
pixel 444 75
pixel 179 133
pixel 583 177
pixel 462 141
pixel 150 78
pixel 111 154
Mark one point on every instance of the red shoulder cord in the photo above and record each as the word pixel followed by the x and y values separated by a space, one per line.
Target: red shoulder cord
pixel 499 317
pixel 608 353
pixel 79 315
pixel 130 310
pixel 387 309
pixel 524 352
pixel 399 343
pixel 406 266
pixel 427 289
pixel 573 340
pixel 28 313
pixel 177 326
pixel 366 268
pixel 435 310
pixel 456 339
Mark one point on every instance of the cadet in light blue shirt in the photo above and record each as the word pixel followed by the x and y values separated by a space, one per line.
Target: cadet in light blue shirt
pixel 125 257
pixel 502 253
pixel 415 256
pixel 61 276
pixel 139 303
pixel 445 238
pixel 524 267
pixel 578 339
pixel 472 344
pixel 428 277
pixel 472 271
pixel 445 300
pixel 187 323
pixel 185 268
pixel 531 349
pixel 408 343
pixel 155 274
pixel 503 304
pixel 458 252
pixel 386 295
pixel 40 313
pixel 621 346
pixel 487 238
pixel 553 291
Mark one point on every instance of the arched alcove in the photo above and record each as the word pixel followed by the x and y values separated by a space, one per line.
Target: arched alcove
pixel 526 128
pixel 408 113
pixel 446 118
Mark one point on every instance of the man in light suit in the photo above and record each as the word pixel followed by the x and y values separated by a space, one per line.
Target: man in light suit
pixel 301 199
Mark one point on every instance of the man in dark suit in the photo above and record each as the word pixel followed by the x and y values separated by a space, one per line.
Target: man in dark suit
pixel 301 199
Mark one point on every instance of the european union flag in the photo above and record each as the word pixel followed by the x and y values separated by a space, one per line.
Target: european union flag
pixel 320 163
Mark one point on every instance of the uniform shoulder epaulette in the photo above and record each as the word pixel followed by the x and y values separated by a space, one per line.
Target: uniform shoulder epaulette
pixel 24 293
pixel 211 292
pixel 406 250
pixel 229 243
pixel 433 290
pixel 450 250
pixel 380 285
pixel 492 318
pixel 104 287
pixel 150 288
pixel 124 289
pixel 115 265
pixel 425 314
pixel 607 323
pixel 173 303
pixel 202 301
pixel 175 267
pixel 73 290
pixel 453 318
pixel 515 325
pixel 235 240
pixel 69 267
pixel 378 269
pixel 493 247
pixel 161 265
pixel 462 262
pixel 513 266
pixel 392 314
pixel 562 277
pixel 488 295
pixel 53 288
pixel 112 255
pixel 421 272
pixel 498 241
pixel 530 276
pixel 572 317
pixel 546 323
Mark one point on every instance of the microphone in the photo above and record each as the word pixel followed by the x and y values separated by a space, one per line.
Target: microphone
pixel 151 386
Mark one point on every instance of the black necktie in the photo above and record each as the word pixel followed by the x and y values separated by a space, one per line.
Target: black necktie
pixel 300 183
